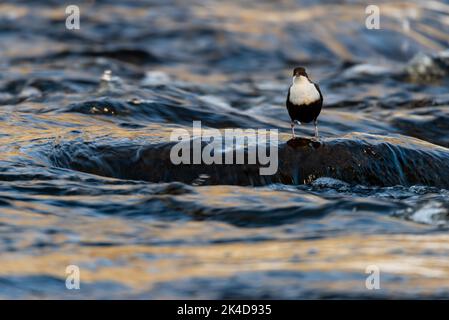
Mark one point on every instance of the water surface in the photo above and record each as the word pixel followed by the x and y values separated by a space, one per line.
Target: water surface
pixel 85 178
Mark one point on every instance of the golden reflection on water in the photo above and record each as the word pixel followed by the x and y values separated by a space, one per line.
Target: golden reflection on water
pixel 174 263
pixel 79 237
pixel 327 22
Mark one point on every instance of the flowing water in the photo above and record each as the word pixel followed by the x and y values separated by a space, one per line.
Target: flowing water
pixel 86 180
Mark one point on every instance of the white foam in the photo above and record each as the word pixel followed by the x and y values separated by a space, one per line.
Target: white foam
pixel 366 69
pixel 155 78
pixel 431 213
pixel 329 182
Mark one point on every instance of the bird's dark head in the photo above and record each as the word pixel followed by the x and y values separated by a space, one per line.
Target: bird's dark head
pixel 300 76
pixel 300 71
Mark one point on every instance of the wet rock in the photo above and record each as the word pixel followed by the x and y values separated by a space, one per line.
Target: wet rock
pixel 356 159
pixel 368 160
pixel 428 67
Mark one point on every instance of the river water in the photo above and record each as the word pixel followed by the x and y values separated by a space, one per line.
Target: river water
pixel 85 178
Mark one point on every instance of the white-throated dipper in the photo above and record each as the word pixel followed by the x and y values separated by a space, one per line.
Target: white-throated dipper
pixel 304 100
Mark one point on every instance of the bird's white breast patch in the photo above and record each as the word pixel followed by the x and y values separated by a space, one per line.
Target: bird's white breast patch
pixel 303 92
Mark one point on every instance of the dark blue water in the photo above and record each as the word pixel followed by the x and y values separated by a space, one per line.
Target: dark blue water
pixel 85 177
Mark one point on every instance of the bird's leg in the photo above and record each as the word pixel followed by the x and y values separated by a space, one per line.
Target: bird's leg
pixel 292 124
pixel 316 128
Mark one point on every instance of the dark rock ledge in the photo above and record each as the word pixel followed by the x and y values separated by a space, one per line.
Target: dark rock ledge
pixel 355 158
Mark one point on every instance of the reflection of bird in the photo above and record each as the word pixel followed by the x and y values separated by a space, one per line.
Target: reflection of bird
pixel 304 100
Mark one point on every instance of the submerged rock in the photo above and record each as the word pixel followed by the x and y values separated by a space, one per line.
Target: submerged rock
pixel 355 159
pixel 428 67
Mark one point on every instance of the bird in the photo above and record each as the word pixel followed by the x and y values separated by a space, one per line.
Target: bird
pixel 304 100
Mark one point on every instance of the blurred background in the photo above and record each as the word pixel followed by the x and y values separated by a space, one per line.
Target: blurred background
pixel 86 115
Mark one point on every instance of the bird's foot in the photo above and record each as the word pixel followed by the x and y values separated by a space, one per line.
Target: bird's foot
pixel 292 125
